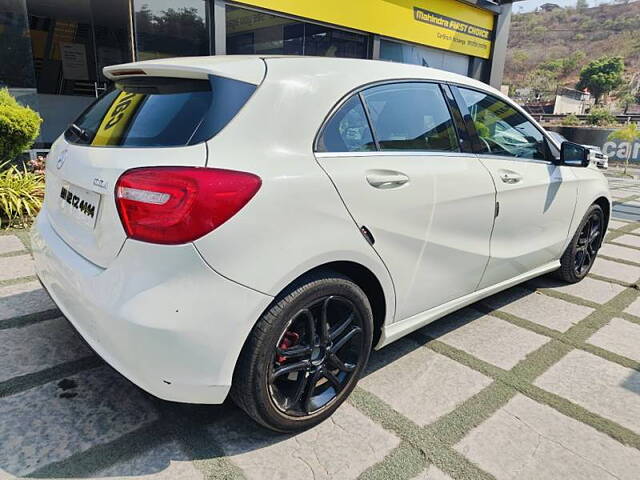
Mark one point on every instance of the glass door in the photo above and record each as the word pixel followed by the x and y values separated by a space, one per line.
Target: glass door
pixel 71 40
pixel 112 36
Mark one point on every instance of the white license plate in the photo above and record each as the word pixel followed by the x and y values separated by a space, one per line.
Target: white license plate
pixel 80 204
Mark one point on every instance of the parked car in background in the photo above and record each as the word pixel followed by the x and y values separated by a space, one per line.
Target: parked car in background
pixel 596 155
pixel 254 226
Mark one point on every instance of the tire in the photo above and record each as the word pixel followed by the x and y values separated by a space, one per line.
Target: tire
pixel 578 258
pixel 292 373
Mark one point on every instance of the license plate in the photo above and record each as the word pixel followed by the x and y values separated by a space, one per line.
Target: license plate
pixel 80 204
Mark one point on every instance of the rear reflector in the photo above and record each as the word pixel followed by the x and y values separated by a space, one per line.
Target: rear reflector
pixel 173 205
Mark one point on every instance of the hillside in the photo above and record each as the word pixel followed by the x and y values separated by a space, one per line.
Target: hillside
pixel 548 49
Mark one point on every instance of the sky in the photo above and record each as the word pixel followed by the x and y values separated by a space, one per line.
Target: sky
pixel 530 5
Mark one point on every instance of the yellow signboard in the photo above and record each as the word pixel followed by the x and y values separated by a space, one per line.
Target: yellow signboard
pixel 116 121
pixel 447 24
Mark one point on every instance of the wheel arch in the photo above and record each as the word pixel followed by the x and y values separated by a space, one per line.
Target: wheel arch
pixel 360 275
pixel 368 282
pixel 603 202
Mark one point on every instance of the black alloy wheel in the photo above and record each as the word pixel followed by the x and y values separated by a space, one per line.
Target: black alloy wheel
pixel 316 356
pixel 589 242
pixel 580 255
pixel 305 354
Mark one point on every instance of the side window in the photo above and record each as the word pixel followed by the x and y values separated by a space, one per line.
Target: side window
pixel 502 129
pixel 411 116
pixel 348 130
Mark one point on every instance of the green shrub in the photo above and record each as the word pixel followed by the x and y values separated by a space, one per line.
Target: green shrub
pixel 570 120
pixel 21 194
pixel 19 127
pixel 600 116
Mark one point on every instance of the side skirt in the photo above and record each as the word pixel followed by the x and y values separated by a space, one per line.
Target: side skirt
pixel 396 330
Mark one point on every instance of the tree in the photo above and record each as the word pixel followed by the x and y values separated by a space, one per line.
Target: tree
pixel 570 120
pixel 170 32
pixel 519 63
pixel 626 96
pixel 601 76
pixel 628 134
pixel 19 127
pixel 581 4
pixel 600 117
pixel 542 82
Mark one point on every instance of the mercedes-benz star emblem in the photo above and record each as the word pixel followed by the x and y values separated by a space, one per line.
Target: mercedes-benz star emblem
pixel 62 158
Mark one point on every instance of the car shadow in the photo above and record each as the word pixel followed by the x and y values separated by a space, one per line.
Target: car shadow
pixel 95 423
pixel 632 382
pixel 552 191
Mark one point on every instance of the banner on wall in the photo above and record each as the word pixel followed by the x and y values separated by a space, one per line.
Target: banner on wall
pixel 618 151
pixel 446 24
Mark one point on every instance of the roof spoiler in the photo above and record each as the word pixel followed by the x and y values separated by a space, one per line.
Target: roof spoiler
pixel 249 70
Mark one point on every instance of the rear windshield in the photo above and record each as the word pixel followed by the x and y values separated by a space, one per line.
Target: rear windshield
pixel 160 112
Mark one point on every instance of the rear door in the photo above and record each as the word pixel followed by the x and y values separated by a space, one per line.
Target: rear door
pixel 428 206
pixel 144 121
pixel 536 197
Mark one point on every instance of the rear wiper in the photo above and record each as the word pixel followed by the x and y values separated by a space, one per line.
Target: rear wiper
pixel 81 132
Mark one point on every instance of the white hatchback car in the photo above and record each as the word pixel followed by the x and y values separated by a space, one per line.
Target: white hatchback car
pixel 254 225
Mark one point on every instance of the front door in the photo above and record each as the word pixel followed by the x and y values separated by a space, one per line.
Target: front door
pixel 536 198
pixel 428 206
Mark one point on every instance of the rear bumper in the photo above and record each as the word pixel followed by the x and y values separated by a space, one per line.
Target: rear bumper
pixel 158 314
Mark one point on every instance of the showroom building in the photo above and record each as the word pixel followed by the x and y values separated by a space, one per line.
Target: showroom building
pixel 53 51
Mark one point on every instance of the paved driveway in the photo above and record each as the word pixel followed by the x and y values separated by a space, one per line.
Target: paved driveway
pixel 539 382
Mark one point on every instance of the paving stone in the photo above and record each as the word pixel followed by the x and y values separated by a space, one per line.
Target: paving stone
pixel 433 473
pixel 536 307
pixel 603 387
pixel 616 270
pixel 590 289
pixel 341 447
pixel 39 346
pixel 620 193
pixel 39 427
pixel 16 267
pixel 628 192
pixel 486 337
pixel 617 194
pixel 525 440
pixel 419 383
pixel 165 462
pixel 625 212
pixel 619 336
pixel 4 475
pixel 630 240
pixel 634 308
pixel 613 224
pixel 626 208
pixel 10 243
pixel 622 253
pixel 631 204
pixel 23 299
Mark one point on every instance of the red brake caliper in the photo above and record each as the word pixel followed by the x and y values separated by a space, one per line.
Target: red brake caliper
pixel 288 340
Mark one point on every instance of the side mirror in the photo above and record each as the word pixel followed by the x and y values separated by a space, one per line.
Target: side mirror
pixel 574 155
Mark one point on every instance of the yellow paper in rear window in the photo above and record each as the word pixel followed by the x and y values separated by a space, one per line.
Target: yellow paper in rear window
pixel 115 122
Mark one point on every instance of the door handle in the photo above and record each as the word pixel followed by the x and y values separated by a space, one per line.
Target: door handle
pixel 510 177
pixel 386 179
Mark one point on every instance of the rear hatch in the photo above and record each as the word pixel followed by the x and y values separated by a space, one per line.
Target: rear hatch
pixel 145 121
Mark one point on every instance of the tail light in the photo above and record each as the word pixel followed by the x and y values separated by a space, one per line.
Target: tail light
pixel 173 205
